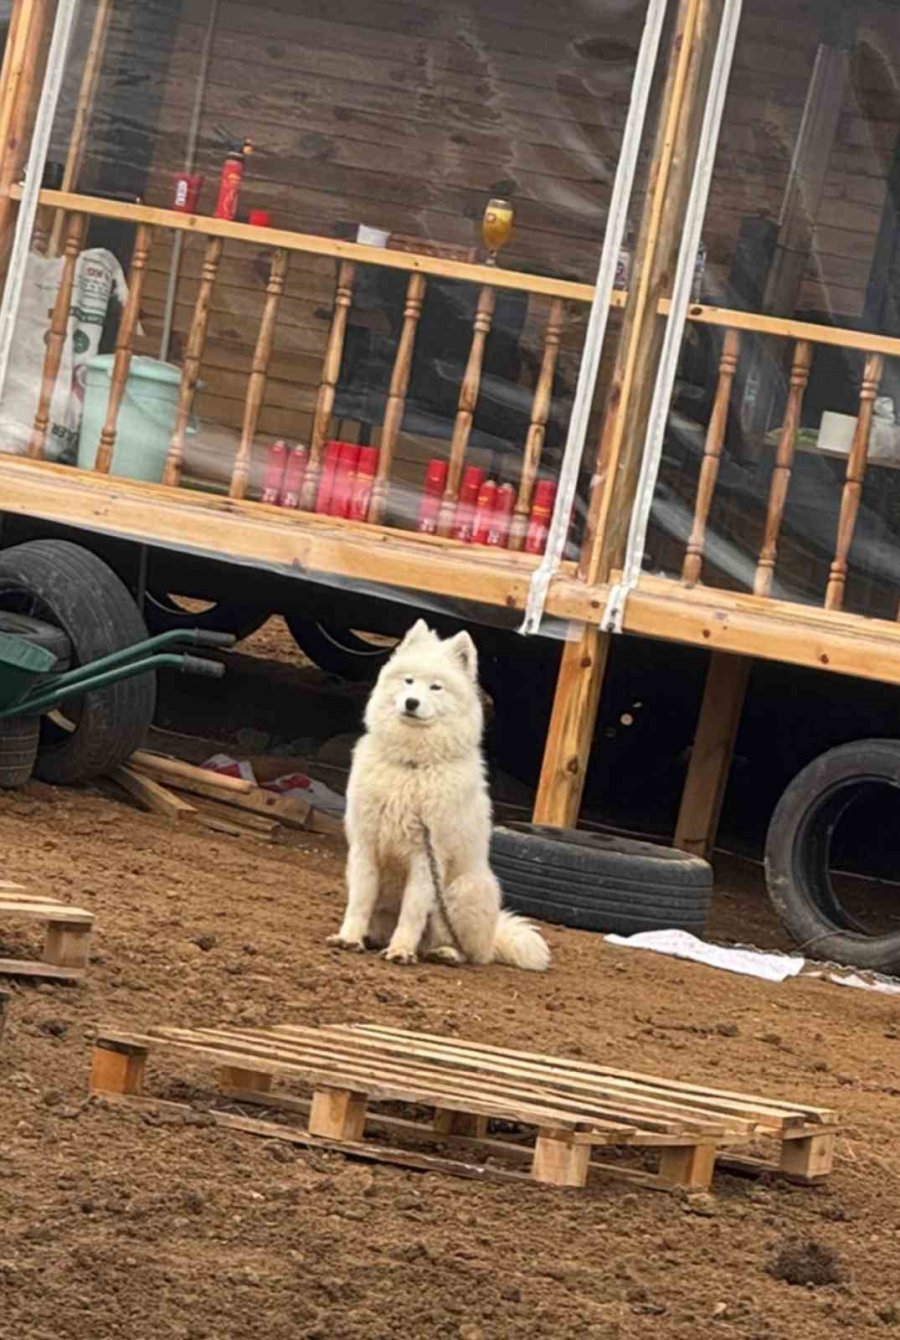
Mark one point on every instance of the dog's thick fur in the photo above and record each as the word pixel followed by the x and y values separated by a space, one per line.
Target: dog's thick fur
pixel 418 778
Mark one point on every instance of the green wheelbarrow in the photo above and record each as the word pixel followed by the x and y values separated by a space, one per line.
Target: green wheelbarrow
pixel 32 684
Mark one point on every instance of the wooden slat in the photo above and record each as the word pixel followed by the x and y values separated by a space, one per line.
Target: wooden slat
pixel 712 455
pixel 567 748
pixel 56 336
pixel 537 428
pixel 124 349
pixel 396 400
pixel 746 1102
pixel 152 796
pixel 331 371
pixel 468 400
pixel 193 358
pixel 711 753
pixel 781 472
pixel 259 373
pixel 46 911
pixel 20 967
pixel 853 483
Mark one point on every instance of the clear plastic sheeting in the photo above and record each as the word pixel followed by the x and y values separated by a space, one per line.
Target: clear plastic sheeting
pixel 461 134
pixel 781 466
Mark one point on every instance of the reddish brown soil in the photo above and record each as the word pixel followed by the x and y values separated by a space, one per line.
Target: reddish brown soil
pixel 116 1224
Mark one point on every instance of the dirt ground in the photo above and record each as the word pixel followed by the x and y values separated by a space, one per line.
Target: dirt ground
pixel 116 1223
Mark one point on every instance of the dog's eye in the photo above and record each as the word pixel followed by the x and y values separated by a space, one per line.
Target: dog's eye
pixel 409 680
pixel 436 688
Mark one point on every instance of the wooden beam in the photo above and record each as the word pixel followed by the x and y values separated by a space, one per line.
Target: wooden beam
pixel 571 731
pixel 56 337
pixel 710 763
pixel 124 350
pixel 396 400
pixel 259 374
pixel 18 96
pixel 712 455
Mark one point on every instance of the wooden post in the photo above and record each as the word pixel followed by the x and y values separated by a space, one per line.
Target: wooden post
pixel 396 400
pixel 577 698
pixel 67 946
pixel 193 357
pixel 338 1114
pixel 712 455
pixel 468 399
pixel 246 1081
pixel 690 1166
pixel 464 1124
pixel 124 349
pixel 18 95
pixel 540 412
pixel 118 1068
pixel 808 1159
pixel 781 472
pixel 853 483
pixel 559 1160
pixel 331 371
pixel 571 730
pixel 83 111
pixel 259 375
pixel 56 337
pixel 707 775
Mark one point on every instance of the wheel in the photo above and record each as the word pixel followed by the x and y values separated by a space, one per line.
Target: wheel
pixel 593 882
pixel 803 841
pixel 163 613
pixel 68 586
pixel 19 739
pixel 340 651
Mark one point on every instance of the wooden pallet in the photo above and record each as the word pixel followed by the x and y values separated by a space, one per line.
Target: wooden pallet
pixel 67 936
pixel 566 1109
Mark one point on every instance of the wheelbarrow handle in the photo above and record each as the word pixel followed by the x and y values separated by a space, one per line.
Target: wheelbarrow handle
pixel 202 637
pixel 196 665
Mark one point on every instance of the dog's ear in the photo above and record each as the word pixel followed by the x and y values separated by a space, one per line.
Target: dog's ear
pixel 420 632
pixel 463 648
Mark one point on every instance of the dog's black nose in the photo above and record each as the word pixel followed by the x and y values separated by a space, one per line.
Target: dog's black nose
pixel 411 705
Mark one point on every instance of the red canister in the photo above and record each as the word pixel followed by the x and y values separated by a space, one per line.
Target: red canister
pixel 539 520
pixel 484 510
pixel 464 516
pixel 505 501
pixel 366 469
pixel 274 473
pixel 344 479
pixel 433 491
pixel 329 470
pixel 230 181
pixel 188 186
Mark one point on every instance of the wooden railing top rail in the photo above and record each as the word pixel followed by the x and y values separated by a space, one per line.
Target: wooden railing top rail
pixel 791 328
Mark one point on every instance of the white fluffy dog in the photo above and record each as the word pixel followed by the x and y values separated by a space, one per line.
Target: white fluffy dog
pixel 419 818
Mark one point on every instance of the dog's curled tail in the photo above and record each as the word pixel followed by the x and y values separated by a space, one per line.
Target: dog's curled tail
pixel 518 944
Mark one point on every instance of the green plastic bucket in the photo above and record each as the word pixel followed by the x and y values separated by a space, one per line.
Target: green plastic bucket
pixel 146 419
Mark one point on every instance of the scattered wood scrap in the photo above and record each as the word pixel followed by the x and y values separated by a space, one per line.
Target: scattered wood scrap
pixel 178 791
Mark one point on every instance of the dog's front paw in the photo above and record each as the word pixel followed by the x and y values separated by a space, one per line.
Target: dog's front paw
pixel 445 954
pixel 342 942
pixel 407 957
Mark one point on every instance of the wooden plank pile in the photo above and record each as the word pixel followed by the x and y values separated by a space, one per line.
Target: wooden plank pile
pixel 553 1113
pixel 67 935
pixel 180 791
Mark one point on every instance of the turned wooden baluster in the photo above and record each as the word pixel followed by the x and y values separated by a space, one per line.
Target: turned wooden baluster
pixel 540 412
pixel 259 374
pixel 468 399
pixel 56 336
pixel 853 481
pixel 331 370
pixel 781 471
pixel 124 349
pixel 396 400
pixel 193 356
pixel 712 456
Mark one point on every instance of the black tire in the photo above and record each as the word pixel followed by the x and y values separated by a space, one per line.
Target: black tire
pixel 593 882
pixel 19 739
pixel 68 586
pixel 338 651
pixel 163 615
pixel 798 854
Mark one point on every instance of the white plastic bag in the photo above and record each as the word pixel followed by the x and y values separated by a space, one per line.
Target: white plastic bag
pixel 97 276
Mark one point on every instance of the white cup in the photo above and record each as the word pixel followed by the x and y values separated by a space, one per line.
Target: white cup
pixel 372 237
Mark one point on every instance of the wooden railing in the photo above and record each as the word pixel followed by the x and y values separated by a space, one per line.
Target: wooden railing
pixel 857 461
pixel 421 269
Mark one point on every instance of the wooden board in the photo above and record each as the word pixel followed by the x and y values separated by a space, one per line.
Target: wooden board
pixel 66 940
pixel 565 1108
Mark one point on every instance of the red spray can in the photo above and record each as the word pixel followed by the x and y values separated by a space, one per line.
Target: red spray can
pixel 329 470
pixel 432 493
pixel 230 181
pixel 274 473
pixel 464 517
pixel 484 511
pixel 539 521
pixel 366 469
pixel 505 501
pixel 344 479
pixel 294 473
